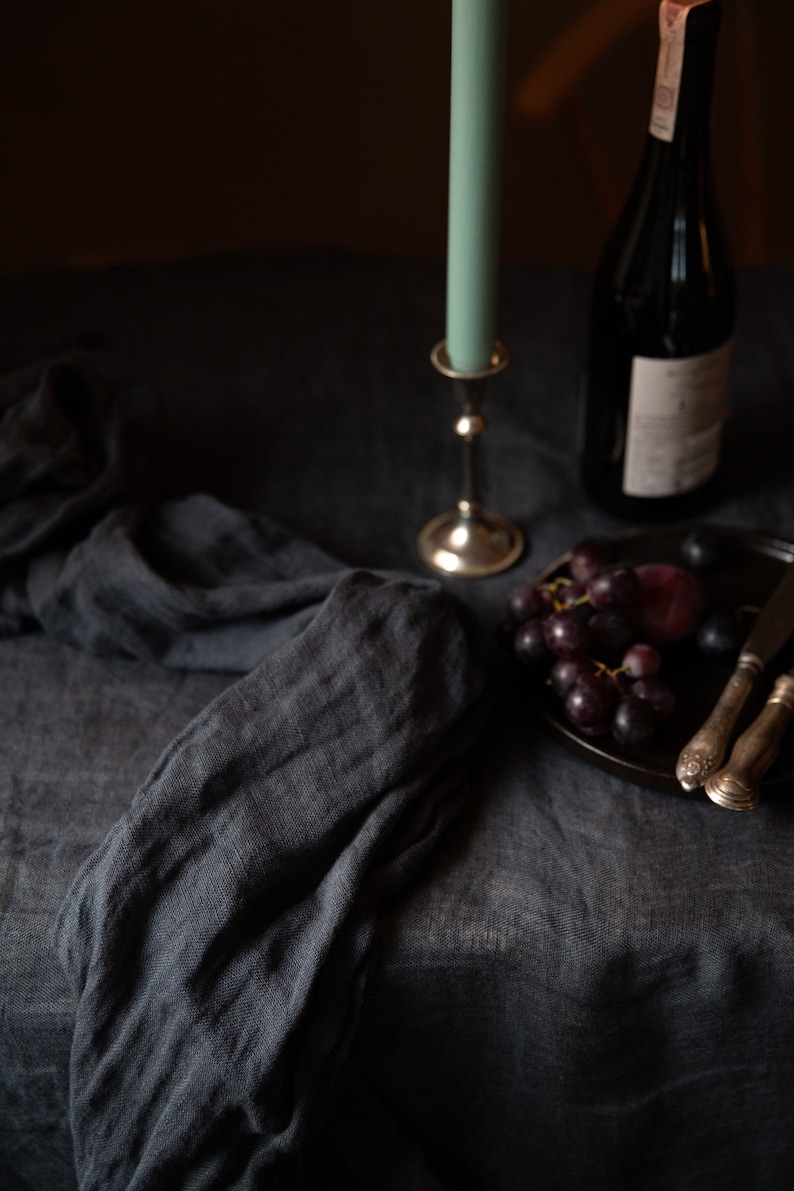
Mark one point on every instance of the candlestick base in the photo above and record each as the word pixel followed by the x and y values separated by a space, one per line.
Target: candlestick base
pixel 471 543
pixel 468 541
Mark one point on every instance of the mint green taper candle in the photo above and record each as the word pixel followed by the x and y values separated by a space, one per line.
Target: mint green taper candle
pixel 477 102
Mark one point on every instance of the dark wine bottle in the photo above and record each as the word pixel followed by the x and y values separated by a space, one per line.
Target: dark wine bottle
pixel 662 309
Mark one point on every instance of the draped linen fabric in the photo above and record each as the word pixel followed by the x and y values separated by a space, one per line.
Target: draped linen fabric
pixel 217 942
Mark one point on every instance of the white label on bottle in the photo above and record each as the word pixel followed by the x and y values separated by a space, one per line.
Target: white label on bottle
pixel 674 422
pixel 672 32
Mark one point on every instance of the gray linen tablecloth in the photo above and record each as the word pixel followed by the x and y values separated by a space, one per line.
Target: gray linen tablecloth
pixel 584 983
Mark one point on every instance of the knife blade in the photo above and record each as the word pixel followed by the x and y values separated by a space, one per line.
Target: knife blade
pixel 737 785
pixel 703 755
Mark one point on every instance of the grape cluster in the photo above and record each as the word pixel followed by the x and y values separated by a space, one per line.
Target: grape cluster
pixel 598 631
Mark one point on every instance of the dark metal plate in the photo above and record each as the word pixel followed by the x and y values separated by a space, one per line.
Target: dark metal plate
pixel 750 566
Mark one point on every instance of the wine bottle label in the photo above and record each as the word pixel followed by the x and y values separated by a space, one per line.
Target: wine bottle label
pixel 672 33
pixel 674 422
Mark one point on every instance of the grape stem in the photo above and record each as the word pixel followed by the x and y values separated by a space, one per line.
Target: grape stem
pixel 603 669
pixel 553 586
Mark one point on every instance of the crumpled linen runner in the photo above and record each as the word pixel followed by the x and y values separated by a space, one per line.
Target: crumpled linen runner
pixel 217 941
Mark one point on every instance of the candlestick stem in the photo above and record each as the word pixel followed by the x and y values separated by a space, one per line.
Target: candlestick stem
pixel 468 541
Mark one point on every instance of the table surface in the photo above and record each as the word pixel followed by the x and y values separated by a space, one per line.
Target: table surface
pixel 592 984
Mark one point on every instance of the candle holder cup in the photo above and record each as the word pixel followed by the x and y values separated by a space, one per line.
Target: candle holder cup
pixel 469 541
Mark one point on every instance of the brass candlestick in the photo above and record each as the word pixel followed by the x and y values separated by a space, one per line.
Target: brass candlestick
pixel 469 541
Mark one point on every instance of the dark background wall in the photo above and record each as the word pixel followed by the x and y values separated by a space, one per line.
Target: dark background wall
pixel 162 128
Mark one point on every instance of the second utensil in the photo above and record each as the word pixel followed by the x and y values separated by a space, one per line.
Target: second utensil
pixel 704 753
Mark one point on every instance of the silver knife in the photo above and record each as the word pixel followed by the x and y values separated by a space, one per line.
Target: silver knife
pixel 737 786
pixel 703 755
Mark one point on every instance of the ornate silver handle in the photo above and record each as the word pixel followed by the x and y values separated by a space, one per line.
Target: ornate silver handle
pixel 736 786
pixel 705 751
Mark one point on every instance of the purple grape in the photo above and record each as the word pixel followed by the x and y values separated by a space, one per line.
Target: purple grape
pixel 641 661
pixel 610 631
pixel 614 587
pixel 656 693
pixel 719 636
pixel 565 671
pixel 567 633
pixel 529 643
pixel 569 593
pixel 601 729
pixel 526 601
pixel 589 700
pixel 634 721
pixel 588 558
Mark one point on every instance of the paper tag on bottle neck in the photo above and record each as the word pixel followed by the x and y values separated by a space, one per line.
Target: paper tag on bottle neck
pixel 669 65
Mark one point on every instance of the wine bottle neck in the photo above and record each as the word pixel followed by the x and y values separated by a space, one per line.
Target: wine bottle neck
pixel 685 70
